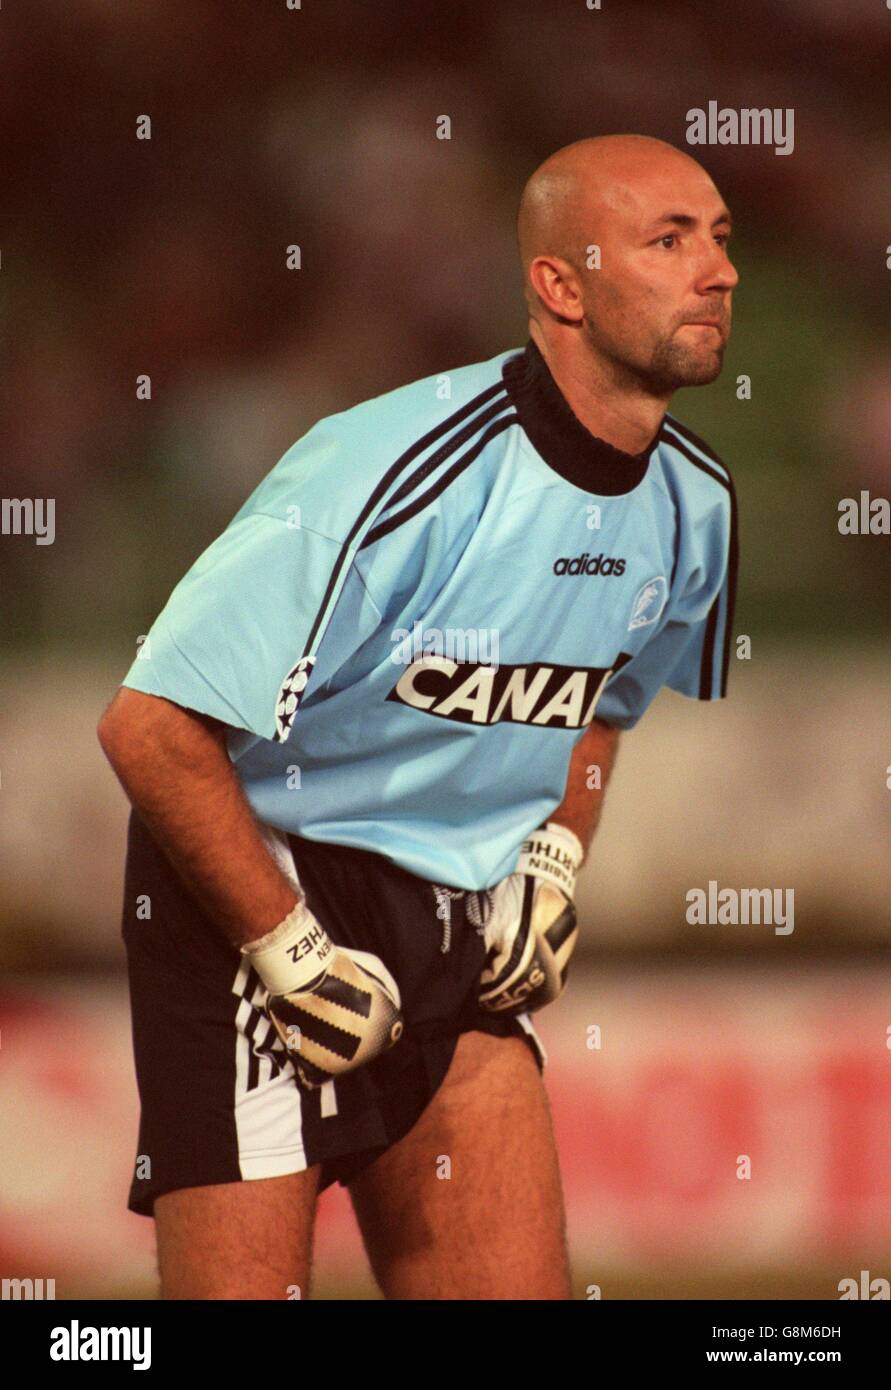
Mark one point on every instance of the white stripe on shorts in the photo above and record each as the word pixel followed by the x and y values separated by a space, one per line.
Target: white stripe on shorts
pixel 526 1023
pixel 268 1105
pixel 268 1100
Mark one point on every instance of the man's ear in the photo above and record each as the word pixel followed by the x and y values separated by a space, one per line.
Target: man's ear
pixel 555 283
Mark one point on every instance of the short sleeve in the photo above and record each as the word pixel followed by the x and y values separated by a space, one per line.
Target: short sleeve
pixel 690 647
pixel 238 637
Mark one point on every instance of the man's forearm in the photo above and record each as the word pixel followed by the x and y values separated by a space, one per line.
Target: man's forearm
pixel 176 771
pixel 590 766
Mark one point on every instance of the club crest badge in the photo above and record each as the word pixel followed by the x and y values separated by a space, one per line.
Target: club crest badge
pixel 649 602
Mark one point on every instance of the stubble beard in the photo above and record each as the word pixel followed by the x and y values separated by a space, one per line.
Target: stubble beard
pixel 671 365
pixel 674 365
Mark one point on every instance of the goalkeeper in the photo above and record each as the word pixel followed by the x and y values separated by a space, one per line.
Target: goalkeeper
pixel 354 838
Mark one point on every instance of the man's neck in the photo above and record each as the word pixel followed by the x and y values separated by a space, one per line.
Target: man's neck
pixel 626 419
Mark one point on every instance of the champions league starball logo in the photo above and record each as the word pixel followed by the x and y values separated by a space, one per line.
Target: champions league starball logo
pixel 649 603
pixel 288 697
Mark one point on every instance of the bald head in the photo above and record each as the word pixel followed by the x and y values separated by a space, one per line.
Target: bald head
pixel 571 196
pixel 623 241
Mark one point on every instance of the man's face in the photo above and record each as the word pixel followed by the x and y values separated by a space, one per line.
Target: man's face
pixel 659 307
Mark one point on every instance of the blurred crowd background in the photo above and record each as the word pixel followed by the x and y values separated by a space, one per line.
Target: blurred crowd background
pixel 316 126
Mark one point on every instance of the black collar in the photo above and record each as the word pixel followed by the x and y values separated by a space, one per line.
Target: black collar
pixel 559 435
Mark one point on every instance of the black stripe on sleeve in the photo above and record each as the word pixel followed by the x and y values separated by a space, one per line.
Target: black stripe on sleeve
pixel 441 483
pixel 686 433
pixel 453 443
pixel 732 572
pixel 391 474
pixel 708 649
pixel 700 463
pixel 706 681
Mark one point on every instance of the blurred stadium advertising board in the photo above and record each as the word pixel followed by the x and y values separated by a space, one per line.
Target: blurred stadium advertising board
pixel 722 1119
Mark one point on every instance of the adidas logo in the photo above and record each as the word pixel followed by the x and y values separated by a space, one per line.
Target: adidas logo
pixel 589 564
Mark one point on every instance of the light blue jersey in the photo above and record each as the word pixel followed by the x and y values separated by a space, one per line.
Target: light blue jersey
pixel 413 619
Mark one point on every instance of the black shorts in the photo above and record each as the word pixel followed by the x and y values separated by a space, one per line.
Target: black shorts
pixel 220 1100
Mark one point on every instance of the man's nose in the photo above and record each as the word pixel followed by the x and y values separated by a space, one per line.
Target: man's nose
pixel 719 274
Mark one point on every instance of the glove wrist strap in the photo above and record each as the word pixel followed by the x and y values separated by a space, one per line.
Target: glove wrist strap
pixel 553 853
pixel 294 955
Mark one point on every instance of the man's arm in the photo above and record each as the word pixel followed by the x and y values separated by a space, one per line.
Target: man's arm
pixel 174 767
pixel 530 936
pixel 582 804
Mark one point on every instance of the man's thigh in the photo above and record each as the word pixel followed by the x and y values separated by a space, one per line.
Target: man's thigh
pixel 238 1240
pixel 469 1204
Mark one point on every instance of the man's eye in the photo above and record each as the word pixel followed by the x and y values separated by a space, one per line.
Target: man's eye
pixel 669 237
pixel 722 238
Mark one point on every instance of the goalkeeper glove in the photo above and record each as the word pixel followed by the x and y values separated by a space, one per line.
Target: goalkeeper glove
pixel 531 928
pixel 334 1008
